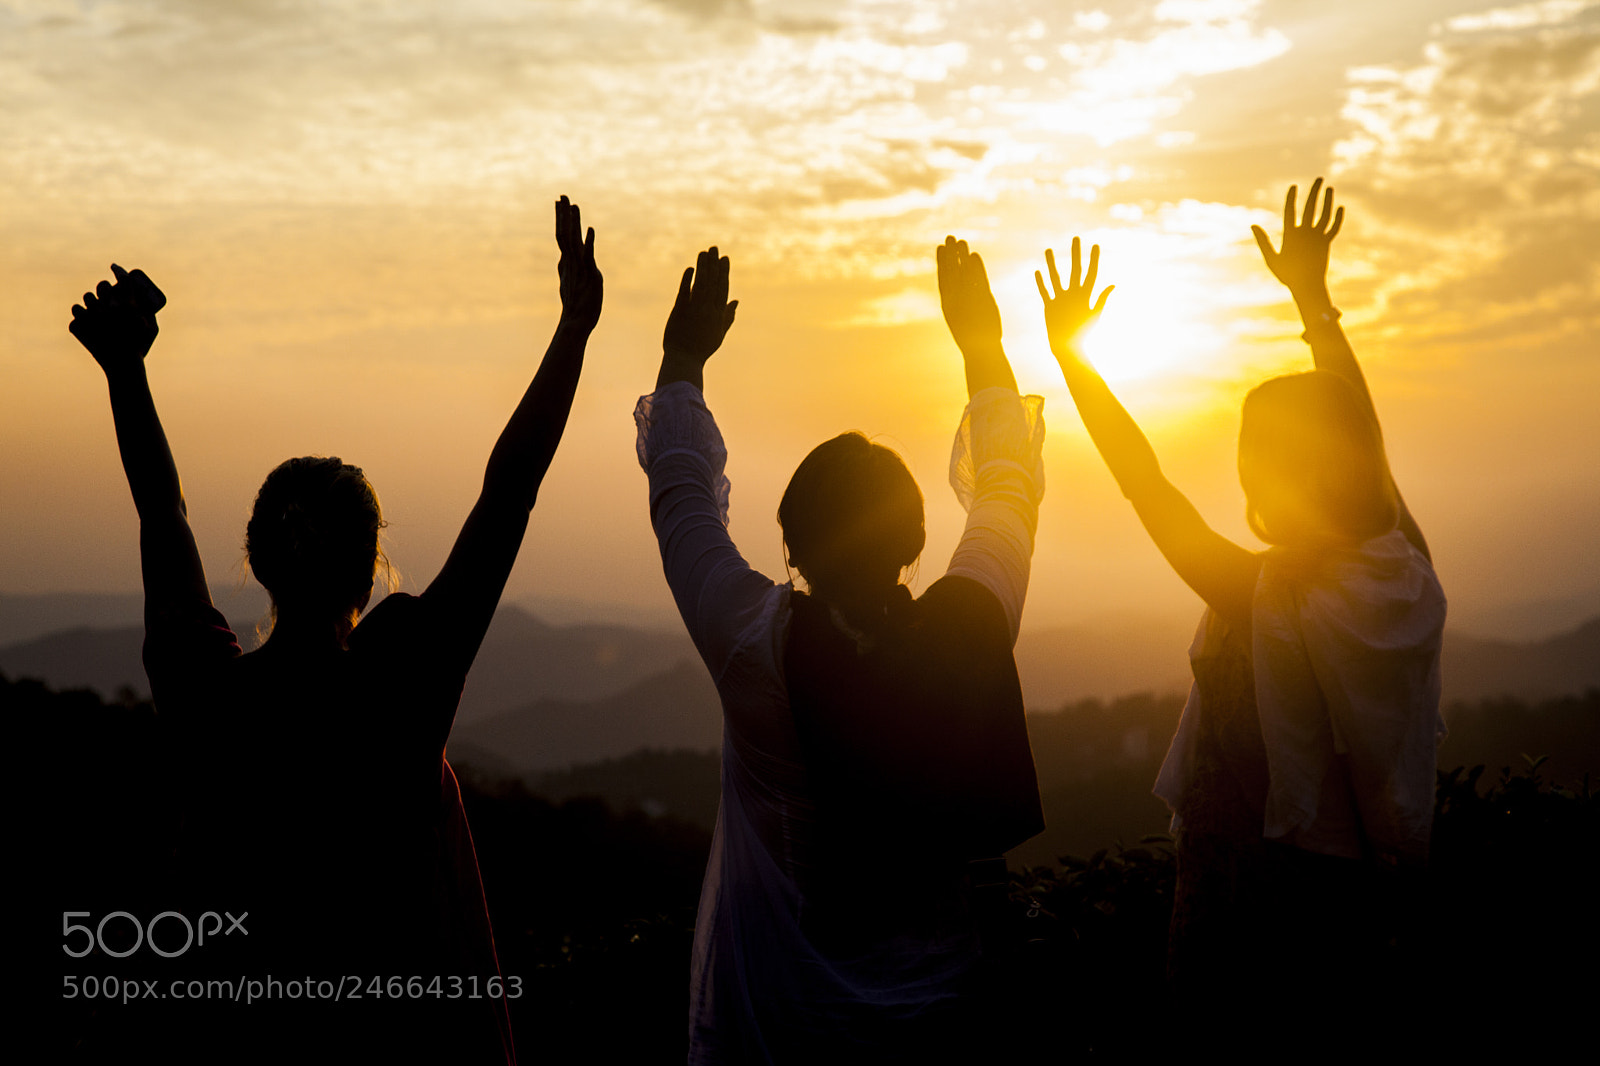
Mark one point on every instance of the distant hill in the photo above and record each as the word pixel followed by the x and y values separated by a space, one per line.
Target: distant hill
pixel 683 783
pixel 1478 669
pixel 1096 764
pixel 524 659
pixel 1110 658
pixel 28 617
pixel 675 709
pixel 527 666
pixel 25 618
pixel 1096 760
pixel 106 660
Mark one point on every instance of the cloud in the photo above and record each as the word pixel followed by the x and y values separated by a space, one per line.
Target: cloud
pixel 1546 13
pixel 834 133
pixel 1482 162
pixel 1123 85
pixel 704 9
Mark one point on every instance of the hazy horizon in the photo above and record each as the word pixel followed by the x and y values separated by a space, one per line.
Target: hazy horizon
pixel 349 208
pixel 1525 622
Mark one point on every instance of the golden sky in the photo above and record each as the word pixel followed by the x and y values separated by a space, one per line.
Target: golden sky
pixel 348 205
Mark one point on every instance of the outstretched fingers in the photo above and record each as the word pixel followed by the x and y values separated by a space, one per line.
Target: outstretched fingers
pixel 1301 259
pixel 1268 252
pixel 960 270
pixel 717 292
pixel 944 258
pixel 570 235
pixel 685 287
pixel 706 283
pixel 979 274
pixel 1311 204
pixel 1078 279
pixel 702 273
pixel 1070 310
pixel 702 314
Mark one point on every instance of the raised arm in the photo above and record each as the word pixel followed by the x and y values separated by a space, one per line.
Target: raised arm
pixel 681 450
pixel 700 319
pixel 995 469
pixel 974 320
pixel 117 324
pixel 1302 265
pixel 468 587
pixel 1220 571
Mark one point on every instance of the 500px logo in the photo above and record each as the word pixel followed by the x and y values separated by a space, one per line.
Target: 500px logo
pixel 146 933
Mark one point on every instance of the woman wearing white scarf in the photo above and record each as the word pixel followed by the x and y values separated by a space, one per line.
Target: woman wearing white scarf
pixel 1304 760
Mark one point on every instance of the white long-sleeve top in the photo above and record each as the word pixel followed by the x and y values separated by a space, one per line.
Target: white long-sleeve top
pixel 755 973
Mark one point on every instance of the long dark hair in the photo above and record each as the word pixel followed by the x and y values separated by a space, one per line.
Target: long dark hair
pixel 1312 463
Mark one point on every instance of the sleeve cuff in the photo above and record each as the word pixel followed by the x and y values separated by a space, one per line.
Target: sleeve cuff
pixel 998 426
pixel 674 420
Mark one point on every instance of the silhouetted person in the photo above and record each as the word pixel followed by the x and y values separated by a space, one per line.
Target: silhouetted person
pixel 1301 778
pixel 322 804
pixel 873 744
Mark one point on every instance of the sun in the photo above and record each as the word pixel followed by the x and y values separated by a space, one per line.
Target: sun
pixel 1160 320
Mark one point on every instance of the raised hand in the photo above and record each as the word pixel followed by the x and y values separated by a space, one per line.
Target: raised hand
pixel 700 319
pixel 964 297
pixel 1068 312
pixel 582 287
pixel 117 322
pixel 1302 263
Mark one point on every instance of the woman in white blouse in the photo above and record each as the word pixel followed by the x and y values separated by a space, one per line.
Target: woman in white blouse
pixel 873 744
pixel 1301 778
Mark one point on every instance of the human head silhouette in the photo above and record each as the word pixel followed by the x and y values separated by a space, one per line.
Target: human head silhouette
pixel 852 517
pixel 1312 463
pixel 312 540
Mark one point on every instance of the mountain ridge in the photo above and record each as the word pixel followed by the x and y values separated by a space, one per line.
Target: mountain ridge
pixel 543 696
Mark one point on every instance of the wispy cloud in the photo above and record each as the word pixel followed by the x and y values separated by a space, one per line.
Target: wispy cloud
pixel 1483 163
pixel 1521 17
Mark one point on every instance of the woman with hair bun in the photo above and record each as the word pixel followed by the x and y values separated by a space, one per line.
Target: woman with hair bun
pixel 874 748
pixel 1301 778
pixel 321 805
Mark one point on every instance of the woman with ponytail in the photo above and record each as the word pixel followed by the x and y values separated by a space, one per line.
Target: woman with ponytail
pixel 321 807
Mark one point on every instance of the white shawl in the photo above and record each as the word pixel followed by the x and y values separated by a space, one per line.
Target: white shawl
pixel 1345 651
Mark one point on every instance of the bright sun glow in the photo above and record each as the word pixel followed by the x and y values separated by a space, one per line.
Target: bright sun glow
pixel 1159 317
pixel 1158 320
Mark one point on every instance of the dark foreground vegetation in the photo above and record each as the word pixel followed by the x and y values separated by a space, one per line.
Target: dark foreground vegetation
pixel 594 907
